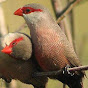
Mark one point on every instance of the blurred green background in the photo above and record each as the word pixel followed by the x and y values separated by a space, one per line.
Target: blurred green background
pixel 80 23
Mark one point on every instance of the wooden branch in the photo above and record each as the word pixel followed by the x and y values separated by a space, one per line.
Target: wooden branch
pixel 57 6
pixel 67 9
pixel 78 68
pixel 53 73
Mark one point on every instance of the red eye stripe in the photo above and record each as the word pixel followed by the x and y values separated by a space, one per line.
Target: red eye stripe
pixel 14 42
pixel 27 10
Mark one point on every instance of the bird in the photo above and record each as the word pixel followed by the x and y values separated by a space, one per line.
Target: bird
pixel 52 49
pixel 16 60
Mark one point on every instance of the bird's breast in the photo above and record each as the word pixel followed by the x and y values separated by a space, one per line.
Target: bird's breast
pixel 49 50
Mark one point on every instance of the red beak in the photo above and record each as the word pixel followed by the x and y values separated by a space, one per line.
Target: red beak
pixel 18 12
pixel 7 50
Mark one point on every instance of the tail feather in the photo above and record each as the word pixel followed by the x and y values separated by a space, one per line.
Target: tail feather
pixel 76 84
pixel 74 81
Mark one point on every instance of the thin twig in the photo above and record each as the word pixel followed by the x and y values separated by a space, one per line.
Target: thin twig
pixel 51 73
pixel 67 9
pixel 57 6
pixel 78 68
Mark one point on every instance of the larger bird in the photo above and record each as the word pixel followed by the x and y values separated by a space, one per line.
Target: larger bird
pixel 19 63
pixel 51 47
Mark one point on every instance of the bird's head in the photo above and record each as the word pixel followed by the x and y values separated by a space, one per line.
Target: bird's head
pixel 29 9
pixel 34 13
pixel 18 46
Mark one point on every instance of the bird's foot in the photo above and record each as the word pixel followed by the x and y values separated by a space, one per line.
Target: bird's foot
pixel 67 72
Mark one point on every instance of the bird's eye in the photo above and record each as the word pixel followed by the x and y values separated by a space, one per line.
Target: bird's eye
pixel 13 43
pixel 27 10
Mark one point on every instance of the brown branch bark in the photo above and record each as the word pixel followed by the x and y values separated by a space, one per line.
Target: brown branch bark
pixel 52 73
pixel 57 6
pixel 67 9
pixel 78 68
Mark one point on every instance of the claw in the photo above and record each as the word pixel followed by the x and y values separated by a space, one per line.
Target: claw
pixel 66 71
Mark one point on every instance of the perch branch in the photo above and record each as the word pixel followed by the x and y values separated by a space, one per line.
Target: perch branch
pixel 52 73
pixel 67 9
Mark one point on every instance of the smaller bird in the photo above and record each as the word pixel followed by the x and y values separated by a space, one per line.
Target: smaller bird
pixel 17 60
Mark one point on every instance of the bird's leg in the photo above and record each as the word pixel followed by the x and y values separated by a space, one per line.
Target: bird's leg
pixel 66 71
